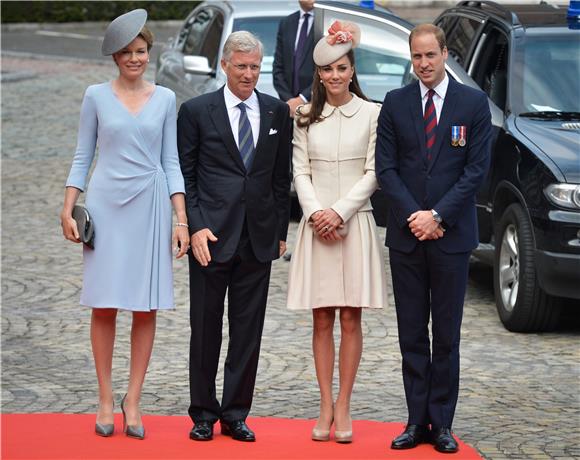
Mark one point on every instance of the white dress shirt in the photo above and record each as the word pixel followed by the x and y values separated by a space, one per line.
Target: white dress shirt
pixel 252 109
pixel 438 97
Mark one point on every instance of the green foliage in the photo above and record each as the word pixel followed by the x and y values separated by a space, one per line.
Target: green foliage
pixel 63 11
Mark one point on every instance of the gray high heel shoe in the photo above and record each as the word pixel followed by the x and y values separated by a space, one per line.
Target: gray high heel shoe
pixel 105 429
pixel 132 431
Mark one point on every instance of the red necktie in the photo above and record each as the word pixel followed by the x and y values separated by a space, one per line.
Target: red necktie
pixel 430 121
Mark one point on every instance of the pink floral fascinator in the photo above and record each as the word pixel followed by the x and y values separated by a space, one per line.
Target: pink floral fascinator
pixel 341 38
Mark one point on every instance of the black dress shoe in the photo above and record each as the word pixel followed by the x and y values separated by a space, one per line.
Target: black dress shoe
pixel 444 441
pixel 411 437
pixel 202 431
pixel 238 430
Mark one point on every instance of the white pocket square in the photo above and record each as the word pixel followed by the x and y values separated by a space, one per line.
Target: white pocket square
pixel 272 132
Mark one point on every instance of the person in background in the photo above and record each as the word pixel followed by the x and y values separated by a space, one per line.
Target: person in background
pixel 234 149
pixel 338 259
pixel 129 197
pixel 293 66
pixel 432 154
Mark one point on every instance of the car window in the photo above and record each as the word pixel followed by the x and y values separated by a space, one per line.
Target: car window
pixel 490 67
pixel 447 23
pixel 548 80
pixel 460 35
pixel 382 58
pixel 197 31
pixel 266 29
pixel 210 46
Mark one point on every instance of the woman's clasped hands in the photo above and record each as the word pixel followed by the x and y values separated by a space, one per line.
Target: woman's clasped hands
pixel 326 223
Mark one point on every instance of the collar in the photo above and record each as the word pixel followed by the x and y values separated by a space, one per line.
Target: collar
pixel 302 13
pixel 232 100
pixel 440 89
pixel 348 109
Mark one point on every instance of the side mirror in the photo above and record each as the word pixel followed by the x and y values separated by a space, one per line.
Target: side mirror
pixel 197 65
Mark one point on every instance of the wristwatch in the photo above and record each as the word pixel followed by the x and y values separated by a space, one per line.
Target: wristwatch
pixel 436 217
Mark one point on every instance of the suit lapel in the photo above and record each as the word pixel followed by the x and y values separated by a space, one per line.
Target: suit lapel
pixel 221 121
pixel 416 107
pixel 443 129
pixel 266 117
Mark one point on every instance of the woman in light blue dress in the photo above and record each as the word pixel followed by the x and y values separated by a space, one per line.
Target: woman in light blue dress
pixel 134 183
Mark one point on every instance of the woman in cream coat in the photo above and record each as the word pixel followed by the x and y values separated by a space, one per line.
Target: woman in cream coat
pixel 338 257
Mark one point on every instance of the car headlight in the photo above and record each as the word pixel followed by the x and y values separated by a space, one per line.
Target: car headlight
pixel 565 195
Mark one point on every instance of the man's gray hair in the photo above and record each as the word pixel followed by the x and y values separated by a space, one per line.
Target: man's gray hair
pixel 243 41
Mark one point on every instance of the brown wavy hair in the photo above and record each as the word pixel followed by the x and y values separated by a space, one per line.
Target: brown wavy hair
pixel 318 100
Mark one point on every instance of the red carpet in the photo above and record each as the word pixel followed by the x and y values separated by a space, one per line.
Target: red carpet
pixel 68 436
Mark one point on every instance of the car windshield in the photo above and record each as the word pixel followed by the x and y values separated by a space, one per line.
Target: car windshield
pixel 550 72
pixel 266 29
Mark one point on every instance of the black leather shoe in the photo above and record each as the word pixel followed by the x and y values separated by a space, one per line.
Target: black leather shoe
pixel 411 437
pixel 238 430
pixel 201 431
pixel 444 441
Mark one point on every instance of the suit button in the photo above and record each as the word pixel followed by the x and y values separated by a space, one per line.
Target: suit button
pixel 428 177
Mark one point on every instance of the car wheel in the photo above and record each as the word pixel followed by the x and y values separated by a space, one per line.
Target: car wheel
pixel 522 305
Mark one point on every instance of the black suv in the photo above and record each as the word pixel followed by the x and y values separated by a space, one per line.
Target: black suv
pixel 527 59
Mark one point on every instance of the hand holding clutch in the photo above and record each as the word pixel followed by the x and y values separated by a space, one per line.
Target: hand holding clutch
pixel 85 225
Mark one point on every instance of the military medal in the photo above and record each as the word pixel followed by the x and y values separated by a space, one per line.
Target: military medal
pixel 455 136
pixel 462 136
pixel 458 136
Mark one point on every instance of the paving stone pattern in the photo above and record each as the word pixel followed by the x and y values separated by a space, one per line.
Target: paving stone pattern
pixel 519 393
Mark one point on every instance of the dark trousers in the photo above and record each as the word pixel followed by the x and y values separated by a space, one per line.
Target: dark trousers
pixel 428 282
pixel 246 281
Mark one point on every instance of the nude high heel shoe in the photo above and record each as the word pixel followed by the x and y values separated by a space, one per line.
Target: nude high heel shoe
pixel 132 431
pixel 345 436
pixel 321 435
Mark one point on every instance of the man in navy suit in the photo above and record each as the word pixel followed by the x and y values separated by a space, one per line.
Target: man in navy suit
pixel 293 67
pixel 234 150
pixel 432 154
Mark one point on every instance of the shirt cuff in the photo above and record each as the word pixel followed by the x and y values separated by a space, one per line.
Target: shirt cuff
pixel 303 98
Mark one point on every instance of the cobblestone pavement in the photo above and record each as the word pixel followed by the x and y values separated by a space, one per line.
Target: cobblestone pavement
pixel 519 393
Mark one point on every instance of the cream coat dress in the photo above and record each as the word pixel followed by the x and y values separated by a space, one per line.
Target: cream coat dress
pixel 334 166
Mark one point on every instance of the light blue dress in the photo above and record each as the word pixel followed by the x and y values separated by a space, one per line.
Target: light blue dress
pixel 128 198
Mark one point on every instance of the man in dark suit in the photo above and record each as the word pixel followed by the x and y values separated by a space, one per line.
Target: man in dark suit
pixel 432 154
pixel 234 150
pixel 293 67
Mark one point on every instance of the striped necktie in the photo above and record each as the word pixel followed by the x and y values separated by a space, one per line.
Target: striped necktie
pixel 245 138
pixel 430 122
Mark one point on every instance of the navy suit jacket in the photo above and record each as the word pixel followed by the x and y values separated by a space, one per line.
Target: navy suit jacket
pixel 283 66
pixel 220 194
pixel 449 181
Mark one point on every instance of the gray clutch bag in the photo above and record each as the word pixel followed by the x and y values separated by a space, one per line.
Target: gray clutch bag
pixel 85 225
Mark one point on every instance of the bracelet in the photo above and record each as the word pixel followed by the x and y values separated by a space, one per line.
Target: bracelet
pixel 181 224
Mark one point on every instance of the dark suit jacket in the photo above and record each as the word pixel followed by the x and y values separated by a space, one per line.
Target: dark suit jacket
pixel 220 193
pixel 448 183
pixel 284 59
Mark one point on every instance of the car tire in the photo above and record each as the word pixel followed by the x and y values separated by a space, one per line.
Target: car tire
pixel 522 305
